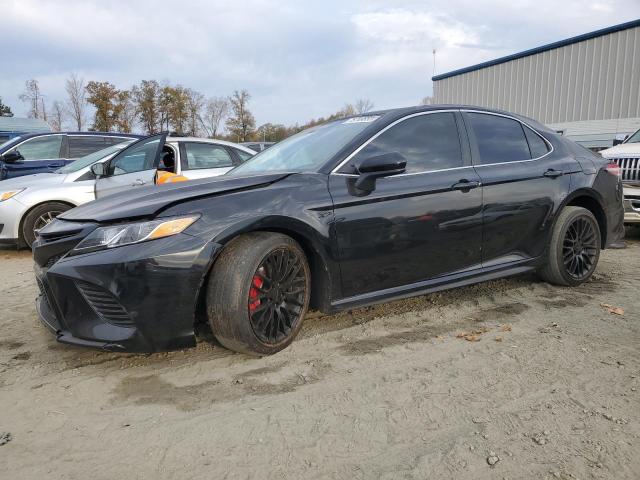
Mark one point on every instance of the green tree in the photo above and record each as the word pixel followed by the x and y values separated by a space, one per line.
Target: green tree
pixel 145 99
pixel 124 111
pixel 178 109
pixel 5 111
pixel 240 123
pixel 270 132
pixel 103 96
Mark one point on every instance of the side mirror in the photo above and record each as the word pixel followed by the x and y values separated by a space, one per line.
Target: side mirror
pixel 99 169
pixel 12 157
pixel 378 166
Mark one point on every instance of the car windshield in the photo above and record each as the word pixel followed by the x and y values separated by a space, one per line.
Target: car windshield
pixel 93 158
pixel 11 141
pixel 308 150
pixel 635 138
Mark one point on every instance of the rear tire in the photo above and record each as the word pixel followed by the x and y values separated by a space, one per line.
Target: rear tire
pixel 258 293
pixel 574 248
pixel 39 217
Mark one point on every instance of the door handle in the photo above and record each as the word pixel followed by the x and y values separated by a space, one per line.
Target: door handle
pixel 138 182
pixel 465 185
pixel 54 165
pixel 551 173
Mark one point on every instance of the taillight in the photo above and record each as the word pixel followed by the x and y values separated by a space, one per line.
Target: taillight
pixel 614 169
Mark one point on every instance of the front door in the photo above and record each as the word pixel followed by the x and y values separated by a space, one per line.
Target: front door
pixel 415 226
pixel 134 166
pixel 39 155
pixel 523 183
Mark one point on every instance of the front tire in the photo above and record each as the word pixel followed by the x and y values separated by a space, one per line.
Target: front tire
pixel 574 248
pixel 39 217
pixel 258 293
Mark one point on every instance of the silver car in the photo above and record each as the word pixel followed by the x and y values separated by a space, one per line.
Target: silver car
pixel 28 203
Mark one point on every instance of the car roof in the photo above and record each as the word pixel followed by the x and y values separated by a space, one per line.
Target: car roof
pixel 404 111
pixel 102 134
pixel 210 140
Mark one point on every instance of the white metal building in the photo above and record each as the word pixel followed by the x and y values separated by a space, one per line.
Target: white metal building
pixel 587 86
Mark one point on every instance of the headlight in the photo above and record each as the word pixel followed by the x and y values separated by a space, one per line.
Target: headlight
pixel 9 193
pixel 128 233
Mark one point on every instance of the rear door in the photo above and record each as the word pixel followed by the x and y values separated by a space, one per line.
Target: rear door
pixel 415 226
pixel 201 159
pixel 82 145
pixel 523 180
pixel 40 155
pixel 134 166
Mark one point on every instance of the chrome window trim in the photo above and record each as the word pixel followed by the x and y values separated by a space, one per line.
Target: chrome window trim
pixel 357 150
pixel 524 124
pixel 408 174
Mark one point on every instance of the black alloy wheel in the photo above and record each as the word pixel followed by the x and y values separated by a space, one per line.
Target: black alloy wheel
pixel 579 249
pixel 276 296
pixel 574 248
pixel 258 293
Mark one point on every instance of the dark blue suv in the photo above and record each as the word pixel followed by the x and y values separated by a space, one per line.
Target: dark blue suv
pixel 46 152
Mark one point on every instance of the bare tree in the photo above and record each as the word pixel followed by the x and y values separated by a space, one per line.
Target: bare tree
pixel 56 119
pixel 215 112
pixel 76 101
pixel 43 109
pixel 427 101
pixel 346 111
pixel 33 97
pixel 241 122
pixel 195 104
pixel 363 105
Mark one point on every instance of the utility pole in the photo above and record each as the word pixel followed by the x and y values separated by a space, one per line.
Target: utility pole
pixel 433 74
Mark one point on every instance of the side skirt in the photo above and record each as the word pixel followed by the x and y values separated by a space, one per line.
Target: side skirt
pixel 447 282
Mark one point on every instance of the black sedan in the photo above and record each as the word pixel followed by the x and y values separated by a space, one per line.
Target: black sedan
pixel 353 212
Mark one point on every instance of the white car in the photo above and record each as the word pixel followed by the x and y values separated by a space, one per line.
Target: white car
pixel 627 156
pixel 28 203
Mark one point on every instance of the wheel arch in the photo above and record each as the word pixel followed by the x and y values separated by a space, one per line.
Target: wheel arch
pixel 33 207
pixel 592 201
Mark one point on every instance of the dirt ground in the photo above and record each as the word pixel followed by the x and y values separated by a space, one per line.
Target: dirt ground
pixel 548 386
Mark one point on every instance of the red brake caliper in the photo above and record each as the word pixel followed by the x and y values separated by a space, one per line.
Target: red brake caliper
pixel 254 301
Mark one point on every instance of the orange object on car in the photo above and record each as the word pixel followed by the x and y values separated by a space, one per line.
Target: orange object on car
pixel 168 177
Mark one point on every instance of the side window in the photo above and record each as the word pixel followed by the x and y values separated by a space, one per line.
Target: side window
pixel 499 139
pixel 537 145
pixel 136 158
pixel 427 142
pixel 115 140
pixel 84 145
pixel 244 156
pixel 206 155
pixel 41 148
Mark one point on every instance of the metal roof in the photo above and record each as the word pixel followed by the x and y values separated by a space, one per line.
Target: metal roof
pixel 29 125
pixel 543 48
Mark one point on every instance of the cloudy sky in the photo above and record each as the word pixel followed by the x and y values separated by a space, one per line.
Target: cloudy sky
pixel 298 59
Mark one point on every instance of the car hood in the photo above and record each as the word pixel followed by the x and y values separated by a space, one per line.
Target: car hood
pixel 631 149
pixel 37 180
pixel 141 202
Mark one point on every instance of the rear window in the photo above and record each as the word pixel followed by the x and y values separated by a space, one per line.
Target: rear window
pixel 499 139
pixel 84 145
pixel 537 145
